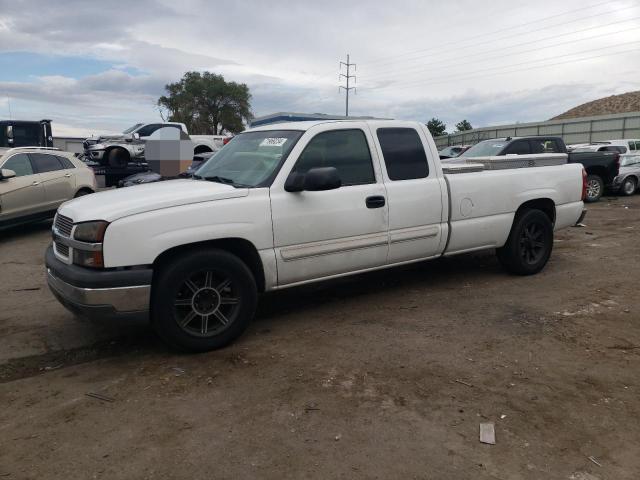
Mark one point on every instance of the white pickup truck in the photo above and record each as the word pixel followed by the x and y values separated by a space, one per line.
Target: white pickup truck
pixel 289 204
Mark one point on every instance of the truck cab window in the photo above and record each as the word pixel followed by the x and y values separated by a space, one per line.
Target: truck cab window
pixel 147 130
pixel 544 146
pixel 346 150
pixel 20 164
pixel 403 153
pixel 519 147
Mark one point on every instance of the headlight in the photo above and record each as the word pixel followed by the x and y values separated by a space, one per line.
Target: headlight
pixel 90 232
pixel 97 146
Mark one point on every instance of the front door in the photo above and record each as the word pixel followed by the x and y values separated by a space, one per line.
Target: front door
pixel 22 195
pixel 325 233
pixel 59 183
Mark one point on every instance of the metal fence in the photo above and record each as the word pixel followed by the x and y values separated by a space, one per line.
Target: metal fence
pixel 573 130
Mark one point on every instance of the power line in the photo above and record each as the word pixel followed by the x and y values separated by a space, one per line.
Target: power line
pixel 347 77
pixel 382 59
pixel 476 59
pixel 494 73
pixel 529 42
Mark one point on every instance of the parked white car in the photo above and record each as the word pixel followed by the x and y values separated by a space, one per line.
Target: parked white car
pixel 34 181
pixel 293 203
pixel 623 146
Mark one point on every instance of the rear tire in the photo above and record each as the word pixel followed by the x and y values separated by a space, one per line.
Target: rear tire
pixel 118 158
pixel 595 188
pixel 203 300
pixel 529 245
pixel 628 187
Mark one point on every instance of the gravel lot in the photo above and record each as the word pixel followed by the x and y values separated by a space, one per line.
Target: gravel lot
pixel 386 375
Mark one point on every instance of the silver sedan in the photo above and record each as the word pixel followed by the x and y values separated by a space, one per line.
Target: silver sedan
pixel 628 179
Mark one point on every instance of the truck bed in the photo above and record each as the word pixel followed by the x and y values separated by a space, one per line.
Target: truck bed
pixel 482 204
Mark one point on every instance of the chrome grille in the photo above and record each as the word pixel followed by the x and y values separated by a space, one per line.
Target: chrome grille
pixel 64 225
pixel 62 249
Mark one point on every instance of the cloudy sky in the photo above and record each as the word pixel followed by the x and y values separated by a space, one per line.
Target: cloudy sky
pixel 97 67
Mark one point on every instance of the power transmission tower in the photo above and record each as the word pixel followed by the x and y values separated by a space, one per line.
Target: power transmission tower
pixel 347 77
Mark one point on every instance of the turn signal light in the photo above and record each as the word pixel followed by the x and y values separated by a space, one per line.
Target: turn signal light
pixel 86 258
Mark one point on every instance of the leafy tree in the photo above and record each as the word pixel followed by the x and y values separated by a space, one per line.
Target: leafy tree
pixel 463 125
pixel 436 127
pixel 207 104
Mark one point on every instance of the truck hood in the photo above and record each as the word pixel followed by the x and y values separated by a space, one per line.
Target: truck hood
pixel 111 205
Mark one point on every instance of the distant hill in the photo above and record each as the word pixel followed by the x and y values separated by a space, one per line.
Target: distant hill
pixel 626 102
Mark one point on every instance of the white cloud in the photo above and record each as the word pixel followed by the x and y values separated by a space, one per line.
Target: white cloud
pixel 415 59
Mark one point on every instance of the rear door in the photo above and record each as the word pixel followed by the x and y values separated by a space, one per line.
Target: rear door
pixel 417 228
pixel 58 181
pixel 324 233
pixel 23 194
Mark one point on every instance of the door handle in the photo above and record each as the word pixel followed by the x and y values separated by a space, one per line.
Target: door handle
pixel 376 201
pixel 67 175
pixel 35 184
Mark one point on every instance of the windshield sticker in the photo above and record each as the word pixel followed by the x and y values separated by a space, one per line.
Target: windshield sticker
pixel 273 142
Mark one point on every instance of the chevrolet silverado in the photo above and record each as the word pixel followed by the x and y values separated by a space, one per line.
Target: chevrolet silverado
pixel 293 203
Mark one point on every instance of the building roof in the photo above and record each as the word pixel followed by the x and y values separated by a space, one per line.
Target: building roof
pixel 281 117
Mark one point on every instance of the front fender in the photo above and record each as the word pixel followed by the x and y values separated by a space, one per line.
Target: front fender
pixel 139 239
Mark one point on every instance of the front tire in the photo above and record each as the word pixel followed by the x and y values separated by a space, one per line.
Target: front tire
pixel 628 187
pixel 203 300
pixel 118 158
pixel 529 245
pixel 595 188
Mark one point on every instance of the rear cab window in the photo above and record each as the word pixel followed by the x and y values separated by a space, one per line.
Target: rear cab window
pixel 345 150
pixel 403 153
pixel 544 145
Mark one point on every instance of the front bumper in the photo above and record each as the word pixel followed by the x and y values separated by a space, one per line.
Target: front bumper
pixel 582 215
pixel 99 293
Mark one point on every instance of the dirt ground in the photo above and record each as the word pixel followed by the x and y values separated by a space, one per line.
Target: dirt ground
pixel 387 375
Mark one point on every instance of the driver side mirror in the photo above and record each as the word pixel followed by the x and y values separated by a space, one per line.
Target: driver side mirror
pixel 134 136
pixel 6 174
pixel 315 180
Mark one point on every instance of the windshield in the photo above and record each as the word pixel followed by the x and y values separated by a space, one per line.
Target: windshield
pixel 487 148
pixel 131 129
pixel 450 152
pixel 250 159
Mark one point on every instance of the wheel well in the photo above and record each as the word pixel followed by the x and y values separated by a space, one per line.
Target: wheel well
pixel 85 189
pixel 600 171
pixel 202 149
pixel 545 205
pixel 241 248
pixel 116 147
pixel 108 150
